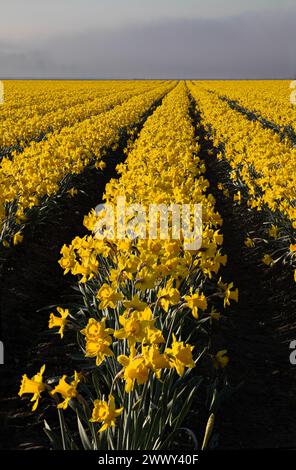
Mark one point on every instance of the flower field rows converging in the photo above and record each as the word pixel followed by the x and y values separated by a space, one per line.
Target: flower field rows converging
pixel 26 99
pixel 35 121
pixel 262 171
pixel 270 100
pixel 44 169
pixel 138 352
pixel 147 305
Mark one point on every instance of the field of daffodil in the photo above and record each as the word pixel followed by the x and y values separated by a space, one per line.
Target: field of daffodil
pixel 144 362
pixel 261 161
pixel 270 100
pixel 147 306
pixel 43 169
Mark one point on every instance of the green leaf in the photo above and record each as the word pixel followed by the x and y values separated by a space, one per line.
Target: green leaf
pixel 83 435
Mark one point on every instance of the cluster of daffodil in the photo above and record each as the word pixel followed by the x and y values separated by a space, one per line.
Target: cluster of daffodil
pixel 263 169
pixel 19 127
pixel 147 305
pixel 26 98
pixel 39 171
pixel 26 101
pixel 269 99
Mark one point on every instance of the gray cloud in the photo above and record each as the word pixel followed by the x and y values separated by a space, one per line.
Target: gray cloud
pixel 260 45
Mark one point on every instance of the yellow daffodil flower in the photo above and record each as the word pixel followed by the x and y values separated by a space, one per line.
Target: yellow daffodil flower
pixel 135 370
pixel 106 413
pixel 168 295
pixel 108 297
pixel 34 386
pixel 221 359
pixel 59 322
pixel 98 340
pixel 180 356
pixel 196 301
pixel 67 389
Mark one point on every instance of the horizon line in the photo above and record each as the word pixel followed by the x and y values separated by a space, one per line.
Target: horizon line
pixel 56 78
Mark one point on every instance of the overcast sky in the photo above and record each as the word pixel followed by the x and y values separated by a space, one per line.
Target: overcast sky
pixel 148 39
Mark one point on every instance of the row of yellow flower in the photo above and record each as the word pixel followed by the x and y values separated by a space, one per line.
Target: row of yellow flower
pixel 25 98
pixel 270 99
pixel 22 96
pixel 260 161
pixel 38 171
pixel 19 127
pixel 142 296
